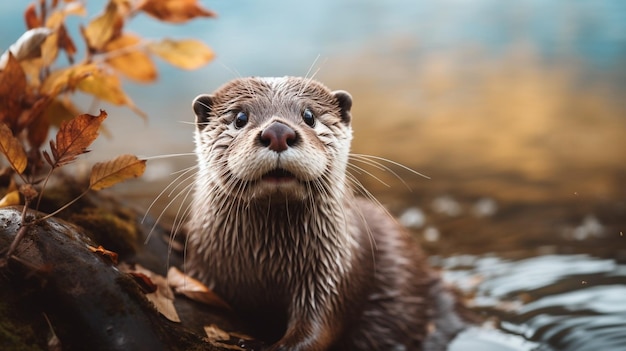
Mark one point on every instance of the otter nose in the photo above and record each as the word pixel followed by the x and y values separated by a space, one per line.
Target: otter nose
pixel 278 137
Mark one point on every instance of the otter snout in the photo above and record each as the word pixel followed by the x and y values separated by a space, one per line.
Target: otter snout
pixel 278 137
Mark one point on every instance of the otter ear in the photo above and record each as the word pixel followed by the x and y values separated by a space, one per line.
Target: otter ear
pixel 202 106
pixel 344 99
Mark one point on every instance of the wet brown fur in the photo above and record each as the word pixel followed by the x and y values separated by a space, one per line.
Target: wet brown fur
pixel 309 266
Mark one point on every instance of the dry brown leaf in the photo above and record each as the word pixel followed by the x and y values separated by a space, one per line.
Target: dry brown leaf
pixel 213 332
pixel 106 174
pixel 163 297
pixel 31 18
pixel 11 199
pixel 164 305
pixel 129 59
pixel 66 43
pixel 12 87
pixel 193 289
pixel 107 255
pixel 66 79
pixel 104 86
pixel 175 11
pixel 74 137
pixel 12 149
pixel 104 28
pixel 34 121
pixel 187 54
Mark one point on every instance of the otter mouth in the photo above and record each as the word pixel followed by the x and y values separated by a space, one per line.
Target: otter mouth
pixel 278 175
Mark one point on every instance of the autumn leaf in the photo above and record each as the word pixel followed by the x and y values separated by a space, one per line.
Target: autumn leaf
pixel 60 110
pixel 66 79
pixel 10 199
pixel 104 28
pixel 193 289
pixel 57 17
pixel 66 43
pixel 31 18
pixel 12 87
pixel 128 58
pixel 27 46
pixel 104 86
pixel 162 297
pixel 175 11
pixel 108 256
pixel 12 149
pixel 74 137
pixel 106 174
pixel 187 54
pixel 34 119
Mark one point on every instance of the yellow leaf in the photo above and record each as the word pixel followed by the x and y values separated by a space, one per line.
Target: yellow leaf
pixel 57 17
pixel 175 11
pixel 127 57
pixel 104 86
pixel 106 174
pixel 11 199
pixel 104 28
pixel 187 54
pixel 74 137
pixel 66 79
pixel 12 149
pixel 60 110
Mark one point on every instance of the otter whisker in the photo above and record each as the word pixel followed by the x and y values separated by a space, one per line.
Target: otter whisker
pixel 162 214
pixel 391 162
pixel 361 170
pixel 175 182
pixel 159 157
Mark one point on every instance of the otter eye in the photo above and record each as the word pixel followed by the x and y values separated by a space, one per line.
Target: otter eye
pixel 241 119
pixel 308 117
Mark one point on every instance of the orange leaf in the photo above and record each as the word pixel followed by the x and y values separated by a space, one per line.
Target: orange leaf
pixel 74 137
pixel 12 149
pixel 187 54
pixel 12 87
pixel 104 28
pixel 127 57
pixel 106 174
pixel 175 11
pixel 107 255
pixel 193 289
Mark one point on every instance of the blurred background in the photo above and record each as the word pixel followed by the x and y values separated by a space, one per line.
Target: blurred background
pixel 515 110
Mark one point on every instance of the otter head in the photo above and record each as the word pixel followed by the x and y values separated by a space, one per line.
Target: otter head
pixel 278 138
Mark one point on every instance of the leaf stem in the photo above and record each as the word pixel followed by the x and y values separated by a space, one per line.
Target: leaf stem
pixel 64 206
pixel 21 232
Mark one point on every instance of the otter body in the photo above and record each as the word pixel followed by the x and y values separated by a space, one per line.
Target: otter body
pixel 276 230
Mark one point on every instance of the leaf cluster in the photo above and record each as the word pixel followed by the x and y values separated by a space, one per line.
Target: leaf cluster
pixel 36 90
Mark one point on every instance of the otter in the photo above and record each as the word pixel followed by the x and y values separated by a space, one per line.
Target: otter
pixel 277 230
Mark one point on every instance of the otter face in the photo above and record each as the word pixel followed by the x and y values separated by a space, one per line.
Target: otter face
pixel 279 138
